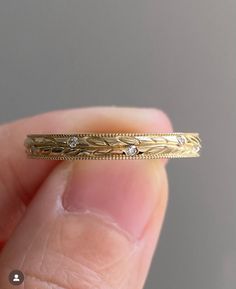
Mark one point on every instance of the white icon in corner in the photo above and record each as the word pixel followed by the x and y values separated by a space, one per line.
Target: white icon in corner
pixel 16 278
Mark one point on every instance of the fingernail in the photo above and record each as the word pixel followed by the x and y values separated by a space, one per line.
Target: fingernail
pixel 127 192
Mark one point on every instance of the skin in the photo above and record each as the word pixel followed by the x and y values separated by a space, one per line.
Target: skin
pixel 80 224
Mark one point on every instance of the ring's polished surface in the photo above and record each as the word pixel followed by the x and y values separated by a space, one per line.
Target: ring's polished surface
pixel 112 146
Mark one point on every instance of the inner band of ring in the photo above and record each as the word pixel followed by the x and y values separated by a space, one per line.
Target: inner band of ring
pixel 112 146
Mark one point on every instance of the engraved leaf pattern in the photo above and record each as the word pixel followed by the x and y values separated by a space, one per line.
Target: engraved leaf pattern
pixel 96 141
pixel 161 150
pixel 129 140
pixel 109 145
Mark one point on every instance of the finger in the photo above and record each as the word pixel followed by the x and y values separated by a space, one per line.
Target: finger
pixel 17 188
pixel 92 224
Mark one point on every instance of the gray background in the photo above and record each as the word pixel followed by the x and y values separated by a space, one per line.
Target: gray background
pixel 176 55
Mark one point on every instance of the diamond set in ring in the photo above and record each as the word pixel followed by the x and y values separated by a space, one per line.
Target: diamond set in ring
pixel 131 150
pixel 181 140
pixel 73 142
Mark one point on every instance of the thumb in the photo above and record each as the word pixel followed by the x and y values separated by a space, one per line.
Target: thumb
pixel 92 224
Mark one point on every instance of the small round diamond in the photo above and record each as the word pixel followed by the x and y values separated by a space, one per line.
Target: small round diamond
pixel 181 140
pixel 196 149
pixel 73 141
pixel 131 150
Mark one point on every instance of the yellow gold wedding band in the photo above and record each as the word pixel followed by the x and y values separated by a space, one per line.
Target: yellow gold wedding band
pixel 101 146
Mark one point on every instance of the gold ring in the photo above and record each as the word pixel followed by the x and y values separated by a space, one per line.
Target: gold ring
pixel 101 146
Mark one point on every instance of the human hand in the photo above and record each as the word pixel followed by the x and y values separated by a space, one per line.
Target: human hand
pixel 80 224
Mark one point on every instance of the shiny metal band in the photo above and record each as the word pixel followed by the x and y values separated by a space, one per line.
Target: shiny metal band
pixel 98 146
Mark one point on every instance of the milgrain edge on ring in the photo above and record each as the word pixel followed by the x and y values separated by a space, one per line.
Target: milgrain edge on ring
pixel 101 146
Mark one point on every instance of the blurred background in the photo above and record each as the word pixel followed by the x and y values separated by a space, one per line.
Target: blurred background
pixel 179 56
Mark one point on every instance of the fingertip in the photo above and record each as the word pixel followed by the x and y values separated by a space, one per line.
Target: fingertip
pixel 164 122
